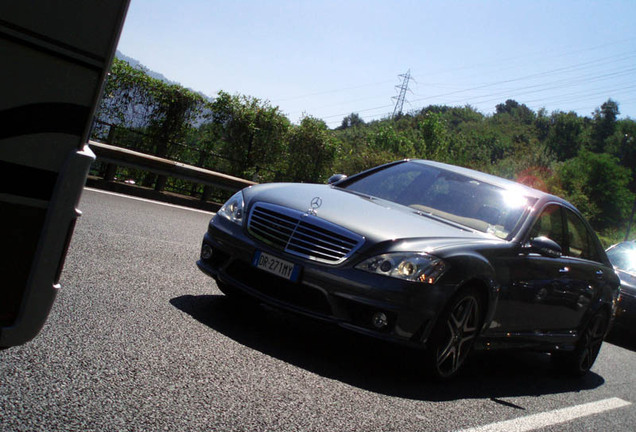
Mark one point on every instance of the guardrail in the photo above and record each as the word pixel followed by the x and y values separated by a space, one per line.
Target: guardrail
pixel 117 156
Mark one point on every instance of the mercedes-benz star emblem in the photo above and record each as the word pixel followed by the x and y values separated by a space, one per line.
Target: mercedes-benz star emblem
pixel 316 203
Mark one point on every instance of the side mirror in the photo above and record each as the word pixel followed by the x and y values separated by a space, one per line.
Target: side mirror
pixel 545 246
pixel 336 178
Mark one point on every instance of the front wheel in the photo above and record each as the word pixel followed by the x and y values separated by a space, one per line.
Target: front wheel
pixel 454 334
pixel 580 361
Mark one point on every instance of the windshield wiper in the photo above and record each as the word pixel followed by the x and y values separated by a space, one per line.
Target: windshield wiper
pixel 443 220
pixel 360 194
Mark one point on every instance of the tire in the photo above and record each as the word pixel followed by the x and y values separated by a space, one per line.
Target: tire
pixel 580 361
pixel 454 335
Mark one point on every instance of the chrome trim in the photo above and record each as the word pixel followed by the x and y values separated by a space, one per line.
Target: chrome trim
pixel 301 234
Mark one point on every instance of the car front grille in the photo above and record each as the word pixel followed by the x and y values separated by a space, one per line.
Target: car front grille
pixel 302 234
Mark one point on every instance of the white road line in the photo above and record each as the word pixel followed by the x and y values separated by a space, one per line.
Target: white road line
pixel 148 200
pixel 551 418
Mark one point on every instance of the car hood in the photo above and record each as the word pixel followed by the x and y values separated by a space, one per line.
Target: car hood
pixel 375 219
pixel 628 281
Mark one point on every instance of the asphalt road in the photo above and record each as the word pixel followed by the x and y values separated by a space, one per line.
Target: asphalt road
pixel 139 339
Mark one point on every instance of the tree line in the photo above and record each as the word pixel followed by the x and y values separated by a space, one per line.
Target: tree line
pixel 587 160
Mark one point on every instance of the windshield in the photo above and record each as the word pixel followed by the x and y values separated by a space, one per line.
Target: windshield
pixel 436 192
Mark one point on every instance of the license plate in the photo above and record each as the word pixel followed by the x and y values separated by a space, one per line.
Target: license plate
pixel 277 266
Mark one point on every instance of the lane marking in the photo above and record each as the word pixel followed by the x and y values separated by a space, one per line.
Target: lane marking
pixel 550 418
pixel 148 200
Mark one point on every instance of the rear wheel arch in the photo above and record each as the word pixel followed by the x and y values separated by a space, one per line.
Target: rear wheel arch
pixel 579 361
pixel 601 308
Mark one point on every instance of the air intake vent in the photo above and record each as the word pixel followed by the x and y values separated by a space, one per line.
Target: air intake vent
pixel 302 234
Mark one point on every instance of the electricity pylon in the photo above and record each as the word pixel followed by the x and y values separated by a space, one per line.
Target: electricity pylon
pixel 404 87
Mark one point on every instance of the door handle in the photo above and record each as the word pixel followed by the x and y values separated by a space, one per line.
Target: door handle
pixel 599 274
pixel 564 269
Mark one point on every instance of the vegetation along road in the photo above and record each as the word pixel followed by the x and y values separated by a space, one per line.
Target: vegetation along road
pixel 140 339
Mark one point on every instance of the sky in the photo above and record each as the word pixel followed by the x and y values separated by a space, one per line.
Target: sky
pixel 328 59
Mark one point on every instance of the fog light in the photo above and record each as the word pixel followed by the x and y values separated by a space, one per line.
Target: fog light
pixel 379 320
pixel 206 252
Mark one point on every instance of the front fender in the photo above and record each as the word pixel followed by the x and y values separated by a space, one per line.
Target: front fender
pixel 475 270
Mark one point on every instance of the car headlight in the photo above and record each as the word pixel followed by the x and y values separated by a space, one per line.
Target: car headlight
pixel 232 210
pixel 415 267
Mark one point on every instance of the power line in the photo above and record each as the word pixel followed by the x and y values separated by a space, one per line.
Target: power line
pixel 562 83
pixel 565 51
pixel 527 77
pixel 611 68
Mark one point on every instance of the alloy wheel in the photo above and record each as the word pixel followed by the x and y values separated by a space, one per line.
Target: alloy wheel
pixel 457 337
pixel 580 361
pixel 591 341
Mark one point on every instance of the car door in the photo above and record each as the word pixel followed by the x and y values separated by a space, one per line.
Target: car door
pixel 533 285
pixel 587 275
pixel 549 295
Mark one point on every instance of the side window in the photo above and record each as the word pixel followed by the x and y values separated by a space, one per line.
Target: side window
pixel 580 239
pixel 549 224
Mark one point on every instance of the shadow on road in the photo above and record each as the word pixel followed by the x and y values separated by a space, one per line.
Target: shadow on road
pixel 374 365
pixel 623 339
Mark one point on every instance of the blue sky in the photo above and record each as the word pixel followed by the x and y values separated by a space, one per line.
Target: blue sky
pixel 329 58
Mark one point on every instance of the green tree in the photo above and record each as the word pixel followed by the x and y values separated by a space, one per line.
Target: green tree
pixel 622 144
pixel 519 112
pixel 164 112
pixel 356 152
pixel 435 137
pixel 352 120
pixel 253 135
pixel 311 151
pixel 127 100
pixel 174 111
pixel 386 138
pixel 603 125
pixel 203 144
pixel 542 124
pixel 565 135
pixel 598 185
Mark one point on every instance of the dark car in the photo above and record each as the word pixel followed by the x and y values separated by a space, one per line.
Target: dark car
pixel 623 257
pixel 425 254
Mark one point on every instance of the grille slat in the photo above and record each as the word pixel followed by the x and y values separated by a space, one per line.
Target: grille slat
pixel 336 242
pixel 272 229
pixel 310 242
pixel 285 227
pixel 280 241
pixel 299 244
pixel 300 234
pixel 275 218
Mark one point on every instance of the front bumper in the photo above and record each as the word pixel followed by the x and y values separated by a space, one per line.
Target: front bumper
pixel 340 294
